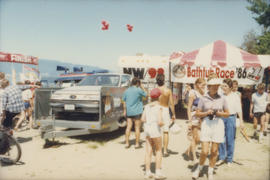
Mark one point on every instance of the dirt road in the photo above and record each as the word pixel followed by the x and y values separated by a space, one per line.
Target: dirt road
pixel 104 157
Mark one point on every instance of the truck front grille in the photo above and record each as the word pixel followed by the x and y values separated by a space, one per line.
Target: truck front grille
pixel 77 116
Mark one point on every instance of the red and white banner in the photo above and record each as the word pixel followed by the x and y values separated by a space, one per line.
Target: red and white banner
pixel 18 58
pixel 189 74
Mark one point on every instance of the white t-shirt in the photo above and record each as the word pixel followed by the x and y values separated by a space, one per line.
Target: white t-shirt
pixel 151 127
pixel 234 103
pixel 27 95
pixel 259 101
pixel 152 113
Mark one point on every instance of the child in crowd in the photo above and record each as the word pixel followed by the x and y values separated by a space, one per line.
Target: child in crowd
pixel 152 118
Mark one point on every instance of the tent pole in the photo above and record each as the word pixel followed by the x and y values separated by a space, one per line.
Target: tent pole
pixel 170 78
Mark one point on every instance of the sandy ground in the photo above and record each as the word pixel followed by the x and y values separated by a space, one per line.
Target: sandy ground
pixel 103 156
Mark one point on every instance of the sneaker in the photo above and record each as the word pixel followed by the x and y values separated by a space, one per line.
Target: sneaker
pixel 160 176
pixel 229 164
pixel 219 162
pixel 260 139
pixel 196 173
pixel 210 176
pixel 148 175
pixel 166 154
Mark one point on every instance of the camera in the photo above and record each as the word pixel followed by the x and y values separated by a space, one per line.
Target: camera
pixel 211 116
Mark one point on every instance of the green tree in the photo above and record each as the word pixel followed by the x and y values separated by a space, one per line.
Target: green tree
pixel 262 9
pixel 263 44
pixel 259 44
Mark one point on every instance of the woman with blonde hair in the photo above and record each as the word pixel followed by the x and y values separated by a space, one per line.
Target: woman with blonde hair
pixel 194 121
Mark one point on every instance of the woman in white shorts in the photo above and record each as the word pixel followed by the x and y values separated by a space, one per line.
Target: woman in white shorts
pixel 194 121
pixel 152 118
pixel 211 108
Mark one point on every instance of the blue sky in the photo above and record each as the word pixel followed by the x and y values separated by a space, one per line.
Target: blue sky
pixel 70 31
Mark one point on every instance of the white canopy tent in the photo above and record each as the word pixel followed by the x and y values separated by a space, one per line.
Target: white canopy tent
pixel 226 60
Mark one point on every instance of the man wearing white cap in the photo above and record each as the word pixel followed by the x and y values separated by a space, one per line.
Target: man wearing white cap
pixel 211 108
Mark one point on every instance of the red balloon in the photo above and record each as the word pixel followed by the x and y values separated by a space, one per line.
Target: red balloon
pixel 152 72
pixel 129 27
pixel 105 27
pixel 104 22
pixel 160 71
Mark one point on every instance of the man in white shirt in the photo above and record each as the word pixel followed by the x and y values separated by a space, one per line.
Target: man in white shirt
pixel 226 149
pixel 258 108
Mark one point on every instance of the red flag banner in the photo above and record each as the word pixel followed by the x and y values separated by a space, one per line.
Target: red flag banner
pixel 18 58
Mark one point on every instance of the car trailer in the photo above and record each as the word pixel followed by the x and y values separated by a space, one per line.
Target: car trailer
pixel 72 121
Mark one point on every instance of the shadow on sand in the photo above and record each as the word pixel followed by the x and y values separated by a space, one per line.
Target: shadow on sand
pixel 100 138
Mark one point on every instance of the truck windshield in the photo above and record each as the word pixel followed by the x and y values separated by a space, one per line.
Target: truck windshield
pixel 100 80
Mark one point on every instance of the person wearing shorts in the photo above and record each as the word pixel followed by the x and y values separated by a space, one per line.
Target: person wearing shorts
pixel 153 122
pixel 133 108
pixel 166 101
pixel 212 107
pixel 258 108
pixel 194 121
pixel 26 95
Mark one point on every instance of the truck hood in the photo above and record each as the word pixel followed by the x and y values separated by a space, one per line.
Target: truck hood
pixel 79 89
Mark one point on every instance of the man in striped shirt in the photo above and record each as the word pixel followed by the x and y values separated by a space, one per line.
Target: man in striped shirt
pixel 12 103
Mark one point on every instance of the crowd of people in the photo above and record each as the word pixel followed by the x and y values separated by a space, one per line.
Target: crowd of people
pixel 17 102
pixel 214 110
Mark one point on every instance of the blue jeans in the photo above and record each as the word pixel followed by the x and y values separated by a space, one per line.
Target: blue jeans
pixel 226 149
